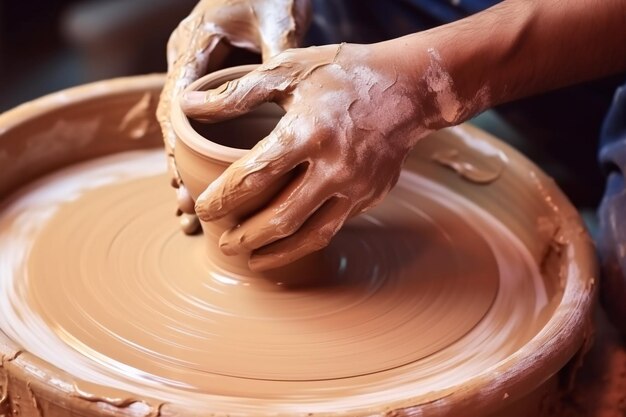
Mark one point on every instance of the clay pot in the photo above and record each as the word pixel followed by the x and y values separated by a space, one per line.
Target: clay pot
pixel 91 121
pixel 204 150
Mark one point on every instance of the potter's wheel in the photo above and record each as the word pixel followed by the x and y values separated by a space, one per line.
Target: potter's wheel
pixel 430 297
pixel 109 280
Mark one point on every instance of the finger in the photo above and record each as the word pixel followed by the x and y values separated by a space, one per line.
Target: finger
pixel 274 40
pixel 188 52
pixel 184 200
pixel 190 61
pixel 278 35
pixel 287 212
pixel 315 234
pixel 185 66
pixel 261 170
pixel 237 97
pixel 189 224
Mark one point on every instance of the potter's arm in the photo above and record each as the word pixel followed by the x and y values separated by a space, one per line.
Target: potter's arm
pixel 354 111
pixel 522 47
pixel 196 46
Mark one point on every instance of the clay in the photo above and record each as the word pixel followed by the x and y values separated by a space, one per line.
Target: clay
pixel 481 166
pixel 454 315
pixel 201 161
pixel 392 312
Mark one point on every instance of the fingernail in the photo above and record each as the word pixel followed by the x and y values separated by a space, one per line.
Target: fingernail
pixel 228 250
pixel 202 209
pixel 227 244
pixel 260 263
pixel 209 202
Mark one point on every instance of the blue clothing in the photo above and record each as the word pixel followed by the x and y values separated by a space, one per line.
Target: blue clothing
pixel 368 21
pixel 611 239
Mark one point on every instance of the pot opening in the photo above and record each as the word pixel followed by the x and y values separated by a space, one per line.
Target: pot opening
pixel 243 132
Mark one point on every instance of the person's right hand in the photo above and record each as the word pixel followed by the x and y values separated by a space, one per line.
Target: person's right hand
pixel 353 112
pixel 265 26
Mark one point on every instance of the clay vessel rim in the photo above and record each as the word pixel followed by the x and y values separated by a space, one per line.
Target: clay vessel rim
pixel 28 110
pixel 188 135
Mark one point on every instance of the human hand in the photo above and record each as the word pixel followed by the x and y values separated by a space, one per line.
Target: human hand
pixel 352 116
pixel 262 26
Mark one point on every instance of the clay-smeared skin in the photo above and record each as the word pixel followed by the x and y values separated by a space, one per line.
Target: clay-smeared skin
pixel 349 155
pixel 427 291
pixel 447 74
pixel 268 27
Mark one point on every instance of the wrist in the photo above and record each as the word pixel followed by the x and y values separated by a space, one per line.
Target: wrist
pixel 427 68
pixel 458 70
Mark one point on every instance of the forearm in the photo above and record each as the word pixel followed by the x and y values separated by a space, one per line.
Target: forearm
pixel 515 49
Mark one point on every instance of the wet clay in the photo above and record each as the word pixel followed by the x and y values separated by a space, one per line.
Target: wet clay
pixel 114 289
pixel 449 298
pixel 481 166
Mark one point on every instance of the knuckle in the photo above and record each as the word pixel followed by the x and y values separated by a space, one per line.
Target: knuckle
pixel 284 221
pixel 285 227
pixel 254 180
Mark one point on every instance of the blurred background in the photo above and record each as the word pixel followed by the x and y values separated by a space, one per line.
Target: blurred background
pixel 48 45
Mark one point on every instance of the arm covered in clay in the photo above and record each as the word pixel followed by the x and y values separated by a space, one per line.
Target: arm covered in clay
pixel 264 26
pixel 353 112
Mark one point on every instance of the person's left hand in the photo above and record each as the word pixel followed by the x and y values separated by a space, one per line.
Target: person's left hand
pixel 265 26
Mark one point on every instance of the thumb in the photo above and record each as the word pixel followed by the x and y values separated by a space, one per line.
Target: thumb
pixel 274 41
pixel 282 25
pixel 236 97
pixel 274 45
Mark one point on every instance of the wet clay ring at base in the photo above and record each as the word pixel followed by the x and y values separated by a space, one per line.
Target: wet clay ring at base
pixel 92 121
